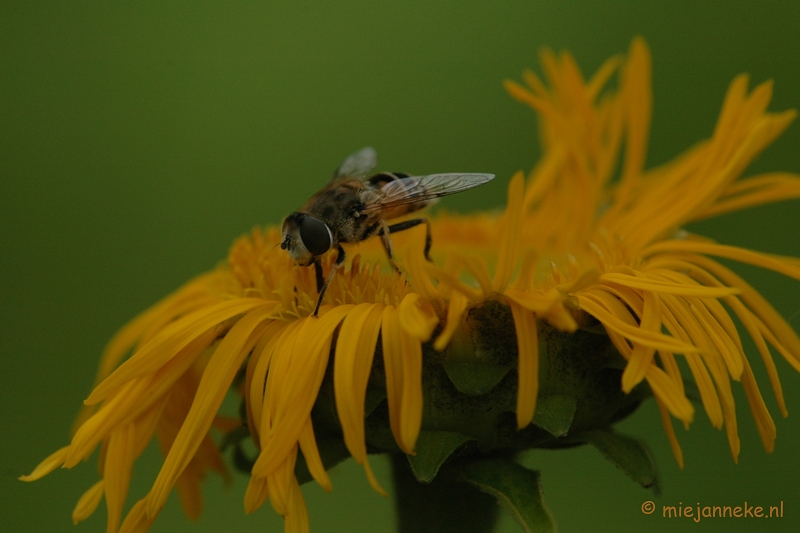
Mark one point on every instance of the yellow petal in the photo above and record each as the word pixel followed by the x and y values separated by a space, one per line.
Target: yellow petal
pixel 87 504
pixel 508 246
pixel 755 191
pixel 297 516
pixel 754 326
pixel 673 440
pixel 777 331
pixel 281 481
pixel 293 381
pixel 642 355
pixel 672 398
pixel 455 310
pixel 452 282
pixel 528 363
pixel 256 494
pixel 661 286
pixel 308 445
pixel 411 402
pixel 677 321
pixel 764 422
pixel 402 358
pixel 137 520
pixel 518 92
pixel 417 317
pixel 132 399
pixel 603 74
pixel 537 302
pixel 117 473
pixel 783 265
pixel 276 333
pixel 612 321
pixel 393 365
pixel 219 374
pixel 53 461
pixel 155 354
pixel 637 92
pixel 354 352
pixel 724 345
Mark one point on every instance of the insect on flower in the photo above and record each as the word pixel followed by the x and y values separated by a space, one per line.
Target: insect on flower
pixel 352 208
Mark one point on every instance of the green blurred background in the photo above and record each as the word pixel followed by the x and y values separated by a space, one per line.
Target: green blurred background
pixel 137 141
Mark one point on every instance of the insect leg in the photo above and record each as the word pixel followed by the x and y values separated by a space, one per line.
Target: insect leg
pixel 387 244
pixel 318 273
pixel 336 264
pixel 400 226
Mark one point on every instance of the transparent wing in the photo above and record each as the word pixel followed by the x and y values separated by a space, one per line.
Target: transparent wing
pixel 357 165
pixel 413 189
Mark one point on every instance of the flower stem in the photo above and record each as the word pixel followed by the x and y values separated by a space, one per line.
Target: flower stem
pixel 446 505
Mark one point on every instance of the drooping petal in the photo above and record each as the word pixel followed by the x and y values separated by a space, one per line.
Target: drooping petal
pixel 137 521
pixel 705 385
pixel 256 493
pixel 528 363
pixel 119 459
pixel 354 351
pixel 402 357
pixel 88 502
pixel 764 422
pixel 156 353
pixel 50 463
pixel 455 310
pixel 134 398
pixel 611 320
pixel 670 429
pixel 206 458
pixel 293 381
pixel 297 515
pixel 417 317
pixel 217 378
pixel 393 365
pixel 256 374
pixel 411 403
pixel 642 354
pixel 308 445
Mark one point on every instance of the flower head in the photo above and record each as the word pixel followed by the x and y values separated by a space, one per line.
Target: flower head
pixel 590 242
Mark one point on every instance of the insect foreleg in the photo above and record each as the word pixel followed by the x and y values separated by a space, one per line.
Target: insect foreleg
pixel 318 273
pixel 387 244
pixel 400 226
pixel 318 269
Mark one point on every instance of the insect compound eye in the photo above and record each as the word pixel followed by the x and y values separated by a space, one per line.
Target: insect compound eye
pixel 316 236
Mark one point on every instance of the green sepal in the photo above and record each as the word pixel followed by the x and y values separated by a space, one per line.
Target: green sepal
pixel 432 450
pixel 477 359
pixel 235 439
pixel 516 488
pixel 554 413
pixel 630 455
pixel 692 392
pixel 474 377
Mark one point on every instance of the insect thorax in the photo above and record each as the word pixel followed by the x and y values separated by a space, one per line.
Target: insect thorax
pixel 340 206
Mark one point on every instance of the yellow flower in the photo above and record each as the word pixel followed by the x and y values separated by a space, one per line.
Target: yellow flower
pixel 591 239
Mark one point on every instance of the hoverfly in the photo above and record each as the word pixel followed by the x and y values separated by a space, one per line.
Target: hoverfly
pixel 352 208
